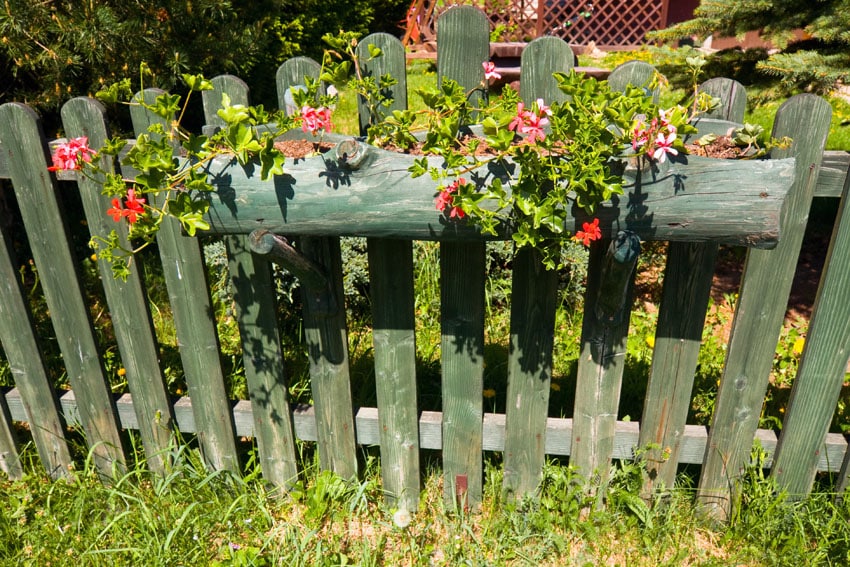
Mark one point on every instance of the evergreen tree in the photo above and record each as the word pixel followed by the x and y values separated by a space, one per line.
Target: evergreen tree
pixel 816 64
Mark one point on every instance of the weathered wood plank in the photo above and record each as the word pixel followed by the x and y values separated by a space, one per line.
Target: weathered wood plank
pixel 733 97
pixel 327 347
pixel 128 304
pixel 605 326
pixel 821 374
pixel 290 74
pixel 256 311
pixel 463 46
pixel 534 299
pixel 542 58
pixel 833 172
pixel 765 286
pixel 188 292
pixel 462 282
pixel 635 73
pixel 324 323
pixel 684 302
pixel 394 336
pixel 390 62
pixel 10 460
pixel 20 346
pixel 26 149
pixel 558 430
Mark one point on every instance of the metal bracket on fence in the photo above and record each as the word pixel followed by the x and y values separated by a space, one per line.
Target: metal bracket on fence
pixel 620 260
pixel 315 283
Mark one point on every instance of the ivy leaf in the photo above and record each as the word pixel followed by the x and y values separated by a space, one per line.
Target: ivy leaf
pixel 166 105
pixel 271 160
pixel 374 51
pixel 197 82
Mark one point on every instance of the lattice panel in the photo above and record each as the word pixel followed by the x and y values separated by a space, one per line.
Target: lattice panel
pixel 604 22
pixel 618 23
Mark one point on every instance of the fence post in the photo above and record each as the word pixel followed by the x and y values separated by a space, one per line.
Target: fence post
pixel 28 156
pixel 188 292
pixel 765 287
pixel 128 304
pixel 684 302
pixel 463 45
pixel 534 298
pixel 256 311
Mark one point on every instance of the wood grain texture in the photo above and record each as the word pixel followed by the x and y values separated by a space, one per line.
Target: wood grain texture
pixel 26 149
pixel 21 349
pixel 256 308
pixel 601 362
pixel 128 303
pixel 765 286
pixel 327 347
pixel 821 374
pixel 462 281
pixel 463 46
pixel 394 336
pixel 534 298
pixel 688 278
pixel 687 200
pixel 390 62
pixel 290 74
pixel 188 292
pixel 542 58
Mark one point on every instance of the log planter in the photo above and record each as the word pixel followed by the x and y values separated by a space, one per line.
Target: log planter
pixel 358 189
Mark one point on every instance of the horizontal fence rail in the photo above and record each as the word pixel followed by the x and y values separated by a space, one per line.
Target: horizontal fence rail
pixel 722 204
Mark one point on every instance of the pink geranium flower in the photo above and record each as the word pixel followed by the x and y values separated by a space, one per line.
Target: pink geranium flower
pixel 71 154
pixel 315 119
pixel 490 71
pixel 664 146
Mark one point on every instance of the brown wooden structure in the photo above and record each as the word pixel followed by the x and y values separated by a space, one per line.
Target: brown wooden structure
pixel 608 24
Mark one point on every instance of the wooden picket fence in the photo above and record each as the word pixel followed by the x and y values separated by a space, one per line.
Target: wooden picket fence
pixel 462 430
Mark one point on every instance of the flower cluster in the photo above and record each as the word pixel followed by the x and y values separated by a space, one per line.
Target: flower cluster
pixel 132 209
pixel 590 231
pixel 657 138
pixel 445 200
pixel 72 154
pixel 531 122
pixel 314 120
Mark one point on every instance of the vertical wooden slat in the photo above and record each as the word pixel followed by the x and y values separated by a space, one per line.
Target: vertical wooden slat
pixel 188 293
pixel 256 315
pixel 540 59
pixel 391 285
pixel 10 460
pixel 600 369
pixel 325 327
pixel 533 303
pixel 602 359
pixel 392 62
pixel 128 305
pixel 817 385
pixel 290 74
pixel 27 155
pixel 733 97
pixel 763 296
pixel 17 336
pixel 327 346
pixel 635 73
pixel 463 45
pixel 684 303
pixel 391 281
